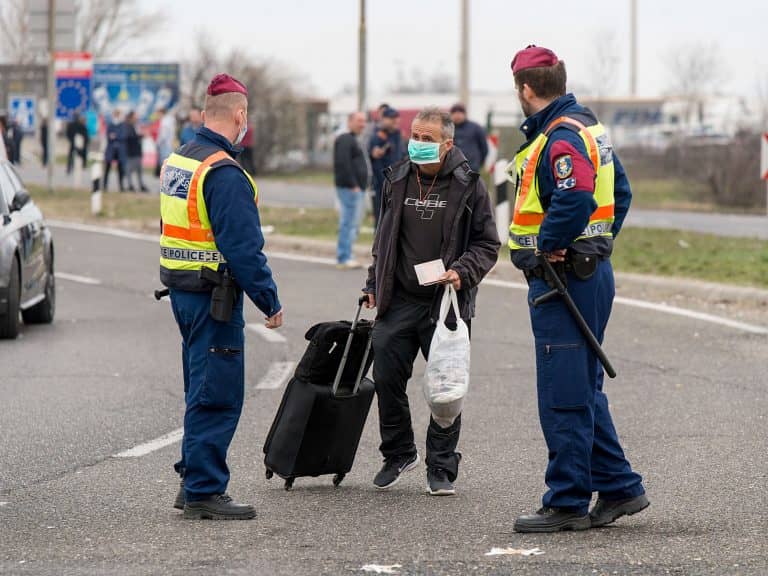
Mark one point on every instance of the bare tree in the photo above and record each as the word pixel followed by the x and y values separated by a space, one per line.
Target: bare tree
pixel 695 71
pixel 275 108
pixel 108 26
pixel 14 32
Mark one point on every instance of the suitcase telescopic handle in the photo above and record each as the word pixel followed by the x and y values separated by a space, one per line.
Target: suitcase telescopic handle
pixel 362 300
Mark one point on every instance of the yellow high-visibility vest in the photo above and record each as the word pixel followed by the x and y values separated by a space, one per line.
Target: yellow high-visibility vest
pixel 529 213
pixel 187 243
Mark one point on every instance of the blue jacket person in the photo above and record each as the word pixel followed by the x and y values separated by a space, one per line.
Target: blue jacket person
pixel 571 199
pixel 211 249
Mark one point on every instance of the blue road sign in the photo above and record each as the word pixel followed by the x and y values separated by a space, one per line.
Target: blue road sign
pixel 74 95
pixel 23 107
pixel 142 88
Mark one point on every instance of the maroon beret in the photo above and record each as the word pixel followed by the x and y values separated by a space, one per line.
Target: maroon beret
pixel 224 83
pixel 533 57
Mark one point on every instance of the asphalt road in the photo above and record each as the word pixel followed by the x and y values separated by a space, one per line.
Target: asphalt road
pixel 689 403
pixel 280 193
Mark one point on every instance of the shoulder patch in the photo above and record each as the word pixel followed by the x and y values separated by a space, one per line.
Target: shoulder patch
pixel 563 166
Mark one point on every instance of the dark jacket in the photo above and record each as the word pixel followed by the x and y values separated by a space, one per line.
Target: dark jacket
pixel 471 139
pixel 350 170
pixel 470 240
pixel 235 223
pixel 132 141
pixel 568 210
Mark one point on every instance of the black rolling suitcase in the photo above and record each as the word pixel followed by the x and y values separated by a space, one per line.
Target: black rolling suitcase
pixel 322 414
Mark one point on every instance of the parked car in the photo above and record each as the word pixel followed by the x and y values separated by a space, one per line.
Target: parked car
pixel 27 282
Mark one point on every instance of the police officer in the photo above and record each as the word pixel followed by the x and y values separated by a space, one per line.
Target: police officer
pixel 571 199
pixel 211 235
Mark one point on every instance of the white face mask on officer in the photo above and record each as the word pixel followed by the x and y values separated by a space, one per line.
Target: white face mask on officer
pixel 243 129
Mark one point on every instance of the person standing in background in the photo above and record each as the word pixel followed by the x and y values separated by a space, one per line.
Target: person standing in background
pixel 470 137
pixel 133 153
pixel 115 151
pixel 77 135
pixel 166 135
pixel 44 141
pixel 384 149
pixel 190 126
pixel 246 156
pixel 350 174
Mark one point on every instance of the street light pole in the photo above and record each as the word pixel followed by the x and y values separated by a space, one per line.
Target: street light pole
pixel 51 93
pixel 633 48
pixel 464 54
pixel 361 62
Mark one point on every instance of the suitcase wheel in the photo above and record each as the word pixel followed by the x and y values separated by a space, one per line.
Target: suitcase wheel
pixel 288 483
pixel 268 473
pixel 338 478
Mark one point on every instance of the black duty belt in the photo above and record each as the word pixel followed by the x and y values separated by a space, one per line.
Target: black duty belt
pixel 538 271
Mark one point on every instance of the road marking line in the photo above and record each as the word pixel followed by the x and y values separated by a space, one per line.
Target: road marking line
pixel 152 445
pixel 268 335
pixel 277 374
pixel 664 308
pixel 79 279
pixel 751 328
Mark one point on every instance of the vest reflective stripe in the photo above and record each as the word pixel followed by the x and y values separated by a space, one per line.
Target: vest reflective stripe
pixel 529 213
pixel 187 242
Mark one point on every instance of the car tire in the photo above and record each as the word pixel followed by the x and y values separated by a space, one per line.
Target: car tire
pixel 9 323
pixel 44 311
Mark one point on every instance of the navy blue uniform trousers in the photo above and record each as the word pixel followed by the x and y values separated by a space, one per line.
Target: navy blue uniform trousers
pixel 585 455
pixel 213 362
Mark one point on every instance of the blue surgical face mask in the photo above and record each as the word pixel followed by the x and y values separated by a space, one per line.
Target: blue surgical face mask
pixel 424 152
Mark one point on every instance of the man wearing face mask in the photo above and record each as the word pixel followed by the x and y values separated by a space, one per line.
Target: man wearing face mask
pixel 433 207
pixel 211 252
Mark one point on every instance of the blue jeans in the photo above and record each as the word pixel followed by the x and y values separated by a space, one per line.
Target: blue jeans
pixel 352 205
pixel 213 361
pixel 585 455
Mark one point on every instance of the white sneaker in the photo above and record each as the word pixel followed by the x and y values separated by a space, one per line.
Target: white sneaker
pixel 349 265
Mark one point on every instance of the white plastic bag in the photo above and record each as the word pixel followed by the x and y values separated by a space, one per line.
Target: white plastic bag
pixel 446 379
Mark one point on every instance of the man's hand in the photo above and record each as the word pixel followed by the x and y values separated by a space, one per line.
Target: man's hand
pixel 370 300
pixel 556 256
pixel 451 277
pixel 275 321
pixel 378 152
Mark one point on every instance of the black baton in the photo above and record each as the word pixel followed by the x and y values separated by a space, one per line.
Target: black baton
pixel 562 291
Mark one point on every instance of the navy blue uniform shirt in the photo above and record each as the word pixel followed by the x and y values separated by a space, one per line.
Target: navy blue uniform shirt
pixel 569 202
pixel 237 227
pixel 393 154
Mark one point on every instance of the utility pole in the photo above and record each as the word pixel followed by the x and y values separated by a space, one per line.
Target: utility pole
pixel 52 97
pixel 361 62
pixel 464 55
pixel 633 48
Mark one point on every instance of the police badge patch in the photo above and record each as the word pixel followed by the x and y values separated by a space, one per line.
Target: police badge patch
pixel 564 166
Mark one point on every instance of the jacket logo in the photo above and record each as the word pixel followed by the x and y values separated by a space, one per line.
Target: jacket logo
pixel 564 166
pixel 175 182
pixel 426 208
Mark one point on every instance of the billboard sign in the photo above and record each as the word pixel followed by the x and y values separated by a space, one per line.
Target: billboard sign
pixel 142 88
pixel 23 107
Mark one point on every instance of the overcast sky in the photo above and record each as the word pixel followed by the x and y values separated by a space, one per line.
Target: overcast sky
pixel 317 39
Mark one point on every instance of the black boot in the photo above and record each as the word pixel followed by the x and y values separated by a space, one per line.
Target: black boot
pixel 180 499
pixel 218 507
pixel 552 520
pixel 607 511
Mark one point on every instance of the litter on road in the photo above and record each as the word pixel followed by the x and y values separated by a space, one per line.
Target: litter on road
pixel 379 569
pixel 514 552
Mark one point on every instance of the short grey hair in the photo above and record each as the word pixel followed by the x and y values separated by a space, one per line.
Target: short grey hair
pixel 434 114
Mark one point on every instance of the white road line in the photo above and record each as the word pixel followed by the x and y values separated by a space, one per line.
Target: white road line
pixel 751 328
pixel 152 445
pixel 276 376
pixel 268 335
pixel 663 308
pixel 78 279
